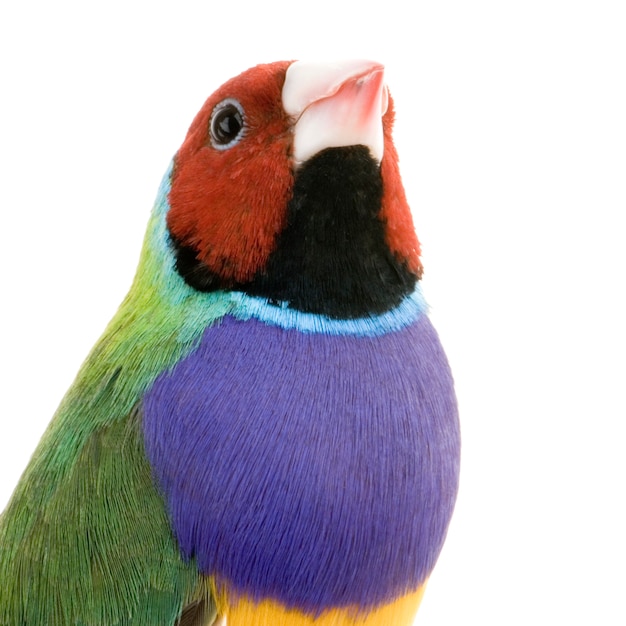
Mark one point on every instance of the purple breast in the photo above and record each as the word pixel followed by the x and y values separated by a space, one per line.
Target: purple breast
pixel 313 469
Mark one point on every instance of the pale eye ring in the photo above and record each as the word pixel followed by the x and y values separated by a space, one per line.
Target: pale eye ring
pixel 227 125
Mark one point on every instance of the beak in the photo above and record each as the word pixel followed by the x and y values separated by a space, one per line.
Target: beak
pixel 335 105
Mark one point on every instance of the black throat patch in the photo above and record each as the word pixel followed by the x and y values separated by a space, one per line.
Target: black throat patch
pixel 332 257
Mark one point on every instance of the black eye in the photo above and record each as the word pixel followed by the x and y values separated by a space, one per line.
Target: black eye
pixel 227 124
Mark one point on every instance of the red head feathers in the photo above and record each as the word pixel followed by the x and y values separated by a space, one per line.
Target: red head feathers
pixel 235 178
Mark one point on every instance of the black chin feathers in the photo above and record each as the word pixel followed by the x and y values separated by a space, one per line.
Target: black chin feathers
pixel 193 270
pixel 332 257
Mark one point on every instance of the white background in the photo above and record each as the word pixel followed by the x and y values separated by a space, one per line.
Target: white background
pixel 512 136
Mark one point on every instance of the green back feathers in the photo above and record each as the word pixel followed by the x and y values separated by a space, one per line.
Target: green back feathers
pixel 98 551
pixel 85 538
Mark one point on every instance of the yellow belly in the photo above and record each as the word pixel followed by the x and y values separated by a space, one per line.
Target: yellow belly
pixel 245 612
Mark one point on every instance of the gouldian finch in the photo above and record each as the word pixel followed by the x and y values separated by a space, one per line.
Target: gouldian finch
pixel 266 434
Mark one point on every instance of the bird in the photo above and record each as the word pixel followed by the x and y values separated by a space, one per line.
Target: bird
pixel 267 431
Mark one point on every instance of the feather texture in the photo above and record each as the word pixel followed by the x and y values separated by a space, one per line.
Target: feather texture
pixel 296 465
pixel 266 433
pixel 85 538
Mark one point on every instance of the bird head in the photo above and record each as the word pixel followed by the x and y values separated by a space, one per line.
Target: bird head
pixel 287 187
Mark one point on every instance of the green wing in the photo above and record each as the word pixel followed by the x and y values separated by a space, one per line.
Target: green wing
pixel 85 540
pixel 99 551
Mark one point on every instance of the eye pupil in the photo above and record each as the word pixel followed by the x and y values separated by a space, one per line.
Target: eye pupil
pixel 226 125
